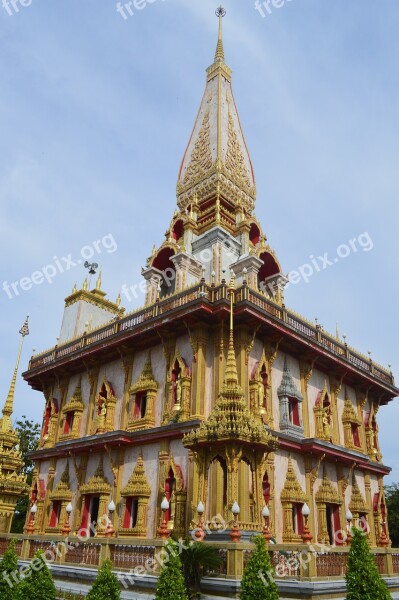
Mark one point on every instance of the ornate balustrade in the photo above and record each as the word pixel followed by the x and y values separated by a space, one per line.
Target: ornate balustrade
pixel 83 553
pixel 128 556
pixel 289 561
pixel 212 294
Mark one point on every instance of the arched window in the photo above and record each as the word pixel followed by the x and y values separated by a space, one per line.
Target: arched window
pixel 163 263
pixel 178 230
pixel 268 274
pixel 254 234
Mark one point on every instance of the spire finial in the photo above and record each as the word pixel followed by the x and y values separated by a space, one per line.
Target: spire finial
pixel 231 365
pixel 9 404
pixel 219 55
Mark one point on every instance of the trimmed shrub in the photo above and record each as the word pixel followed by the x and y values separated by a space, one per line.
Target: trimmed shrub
pixel 363 580
pixel 106 586
pixel 8 565
pixel 258 581
pixel 37 583
pixel 171 584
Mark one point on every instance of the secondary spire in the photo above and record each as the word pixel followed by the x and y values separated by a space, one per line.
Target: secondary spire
pixel 231 377
pixel 9 404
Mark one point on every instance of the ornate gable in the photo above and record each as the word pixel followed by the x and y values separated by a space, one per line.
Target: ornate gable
pixel 137 484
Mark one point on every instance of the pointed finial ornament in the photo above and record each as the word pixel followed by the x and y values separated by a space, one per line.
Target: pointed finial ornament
pixel 9 404
pixel 219 55
pixel 85 285
pixel 99 280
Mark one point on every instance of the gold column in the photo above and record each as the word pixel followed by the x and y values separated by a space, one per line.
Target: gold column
pixel 93 380
pixel 47 502
pixel 306 370
pixel 323 537
pixel 80 472
pixel 311 473
pixel 271 350
pixel 369 502
pixel 361 399
pixel 63 386
pixel 335 387
pixel 127 362
pixel 163 460
pixel 199 339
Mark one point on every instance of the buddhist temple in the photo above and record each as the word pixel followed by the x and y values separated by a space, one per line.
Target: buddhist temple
pixel 214 394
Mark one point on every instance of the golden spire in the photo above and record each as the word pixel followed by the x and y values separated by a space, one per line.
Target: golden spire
pixel 219 54
pixel 9 404
pixel 231 365
pixel 99 281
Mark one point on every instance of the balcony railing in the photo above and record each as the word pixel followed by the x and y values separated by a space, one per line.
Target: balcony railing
pixel 210 294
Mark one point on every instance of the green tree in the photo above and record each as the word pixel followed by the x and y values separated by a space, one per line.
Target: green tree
pixel 8 565
pixel 258 579
pixel 198 559
pixel 29 434
pixel 106 586
pixel 38 582
pixel 392 501
pixel 363 580
pixel 171 584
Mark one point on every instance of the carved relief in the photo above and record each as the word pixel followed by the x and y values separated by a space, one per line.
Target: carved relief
pixel 324 416
pixel 178 391
pixel 103 420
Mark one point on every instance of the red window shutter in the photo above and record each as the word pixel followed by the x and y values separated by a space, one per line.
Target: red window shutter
pixel 68 423
pixel 299 518
pixel 86 513
pixel 127 520
pixel 295 412
pixel 54 514
pixel 355 434
pixel 337 525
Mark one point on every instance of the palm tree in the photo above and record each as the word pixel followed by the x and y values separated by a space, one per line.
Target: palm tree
pixel 198 559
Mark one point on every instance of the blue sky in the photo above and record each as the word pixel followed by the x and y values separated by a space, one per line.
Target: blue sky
pixel 95 115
